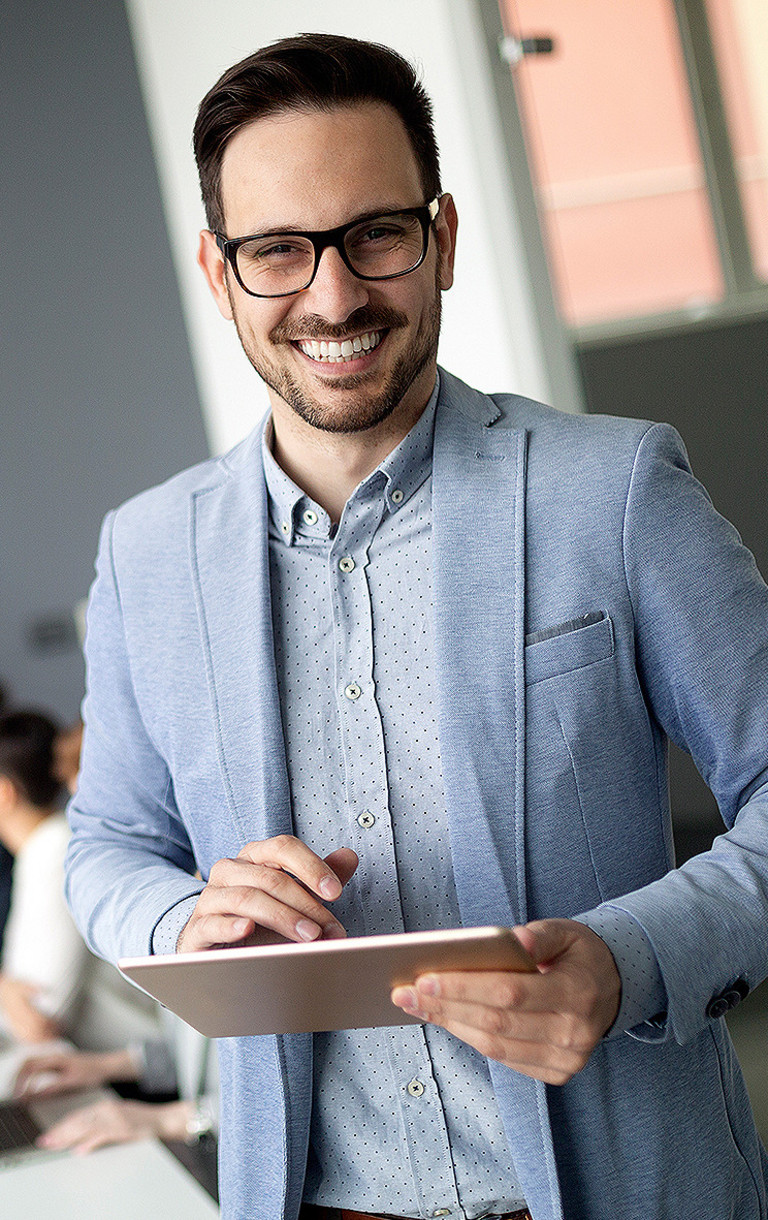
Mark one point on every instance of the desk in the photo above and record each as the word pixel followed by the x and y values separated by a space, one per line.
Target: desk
pixel 127 1182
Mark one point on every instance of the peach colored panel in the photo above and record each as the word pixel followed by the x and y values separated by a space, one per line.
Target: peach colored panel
pixel 603 113
pixel 726 39
pixel 755 200
pixel 658 258
pixel 612 96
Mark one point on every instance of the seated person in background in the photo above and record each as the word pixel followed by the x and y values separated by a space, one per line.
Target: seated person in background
pixel 185 1062
pixel 66 756
pixel 50 985
pixel 6 859
pixel 43 955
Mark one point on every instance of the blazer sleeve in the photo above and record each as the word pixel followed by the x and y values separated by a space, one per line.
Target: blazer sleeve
pixel 129 860
pixel 701 631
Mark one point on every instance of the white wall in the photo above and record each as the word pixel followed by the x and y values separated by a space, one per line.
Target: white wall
pixel 490 337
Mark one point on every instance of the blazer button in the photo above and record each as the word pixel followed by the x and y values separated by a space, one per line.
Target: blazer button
pixel 737 992
pixel 720 1004
pixel 717 1008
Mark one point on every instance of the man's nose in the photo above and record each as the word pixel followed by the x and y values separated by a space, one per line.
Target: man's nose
pixel 335 292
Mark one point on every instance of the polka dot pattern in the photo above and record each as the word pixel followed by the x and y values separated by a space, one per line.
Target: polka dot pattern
pixel 404 1119
pixel 643 994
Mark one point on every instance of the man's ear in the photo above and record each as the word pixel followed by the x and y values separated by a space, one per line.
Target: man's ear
pixel 445 231
pixel 214 268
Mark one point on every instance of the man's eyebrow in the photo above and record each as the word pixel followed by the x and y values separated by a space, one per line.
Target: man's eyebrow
pixel 384 210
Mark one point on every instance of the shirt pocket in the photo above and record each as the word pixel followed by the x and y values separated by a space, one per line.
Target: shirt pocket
pixel 567 646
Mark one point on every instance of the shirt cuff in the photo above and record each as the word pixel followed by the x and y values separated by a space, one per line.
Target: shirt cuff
pixel 643 994
pixel 168 929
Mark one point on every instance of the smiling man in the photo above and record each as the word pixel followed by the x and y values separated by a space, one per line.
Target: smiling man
pixel 407 659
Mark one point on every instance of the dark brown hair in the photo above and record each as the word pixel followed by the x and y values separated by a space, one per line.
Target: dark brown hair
pixel 310 72
pixel 26 755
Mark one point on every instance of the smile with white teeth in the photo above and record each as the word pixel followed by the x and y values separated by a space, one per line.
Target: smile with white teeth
pixel 344 351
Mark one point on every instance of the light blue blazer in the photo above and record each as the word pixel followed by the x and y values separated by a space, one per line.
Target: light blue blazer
pixel 554 769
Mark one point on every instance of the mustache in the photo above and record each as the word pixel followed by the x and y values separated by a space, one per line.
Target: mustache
pixel 312 326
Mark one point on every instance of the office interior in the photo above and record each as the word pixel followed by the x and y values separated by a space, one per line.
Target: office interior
pixel 118 372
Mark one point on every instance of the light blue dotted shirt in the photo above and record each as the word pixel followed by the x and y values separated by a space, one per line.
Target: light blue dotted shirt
pixel 404 1119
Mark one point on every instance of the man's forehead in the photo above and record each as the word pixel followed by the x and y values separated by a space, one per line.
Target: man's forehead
pixel 306 168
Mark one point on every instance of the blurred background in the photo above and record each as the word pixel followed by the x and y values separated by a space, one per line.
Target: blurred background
pixel 609 160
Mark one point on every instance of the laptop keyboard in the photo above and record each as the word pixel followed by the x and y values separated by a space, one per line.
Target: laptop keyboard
pixel 18 1129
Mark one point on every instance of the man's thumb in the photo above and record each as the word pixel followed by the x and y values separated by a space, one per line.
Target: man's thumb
pixel 545 939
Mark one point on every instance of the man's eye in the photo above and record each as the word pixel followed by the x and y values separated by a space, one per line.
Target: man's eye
pixel 379 233
pixel 272 252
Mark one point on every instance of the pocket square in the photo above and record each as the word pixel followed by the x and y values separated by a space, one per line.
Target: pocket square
pixel 572 624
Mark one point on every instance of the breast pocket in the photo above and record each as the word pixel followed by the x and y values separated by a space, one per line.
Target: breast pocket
pixel 594 813
pixel 567 646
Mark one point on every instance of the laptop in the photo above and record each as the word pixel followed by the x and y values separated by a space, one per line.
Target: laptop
pixel 21 1122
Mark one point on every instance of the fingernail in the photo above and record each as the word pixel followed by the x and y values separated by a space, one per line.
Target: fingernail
pixel 307 930
pixel 429 985
pixel 406 998
pixel 330 887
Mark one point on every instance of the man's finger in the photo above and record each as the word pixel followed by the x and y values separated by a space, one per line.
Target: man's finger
pixel 288 853
pixel 343 861
pixel 535 1059
pixel 503 989
pixel 547 939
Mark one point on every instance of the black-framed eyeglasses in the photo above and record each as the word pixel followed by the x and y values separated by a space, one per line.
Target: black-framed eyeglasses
pixel 379 247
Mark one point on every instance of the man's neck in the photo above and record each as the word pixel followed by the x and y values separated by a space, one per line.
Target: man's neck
pixel 328 466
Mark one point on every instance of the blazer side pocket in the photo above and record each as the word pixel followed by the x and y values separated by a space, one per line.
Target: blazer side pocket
pixel 569 646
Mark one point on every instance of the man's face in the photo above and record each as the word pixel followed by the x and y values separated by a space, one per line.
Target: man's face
pixel 313 170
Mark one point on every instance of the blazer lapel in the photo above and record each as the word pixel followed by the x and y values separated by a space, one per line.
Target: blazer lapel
pixel 230 568
pixel 478 499
pixel 478 539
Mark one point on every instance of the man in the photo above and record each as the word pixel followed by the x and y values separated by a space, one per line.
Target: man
pixel 406 659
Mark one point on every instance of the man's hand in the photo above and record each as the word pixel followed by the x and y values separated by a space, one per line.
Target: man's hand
pixel 545 1025
pixel 275 886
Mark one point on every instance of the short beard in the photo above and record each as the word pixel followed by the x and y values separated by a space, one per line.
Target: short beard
pixel 364 411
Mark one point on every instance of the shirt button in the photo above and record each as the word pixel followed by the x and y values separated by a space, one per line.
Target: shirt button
pixel 352 691
pixel 366 819
pixel 309 517
pixel 286 527
pixel 347 563
pixel 397 496
pixel 415 1088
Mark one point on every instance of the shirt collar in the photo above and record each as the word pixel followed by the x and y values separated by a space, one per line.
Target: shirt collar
pixel 400 474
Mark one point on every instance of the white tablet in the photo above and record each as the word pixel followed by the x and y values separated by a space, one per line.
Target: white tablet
pixel 297 988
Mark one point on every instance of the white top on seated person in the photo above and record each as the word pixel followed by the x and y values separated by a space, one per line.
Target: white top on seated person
pixel 50 984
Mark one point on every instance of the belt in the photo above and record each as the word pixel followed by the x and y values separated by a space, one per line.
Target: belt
pixel 310 1212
